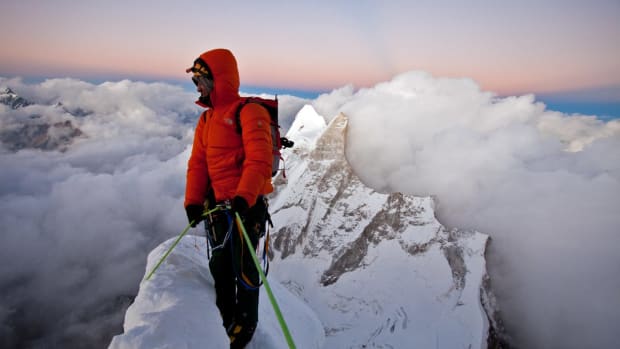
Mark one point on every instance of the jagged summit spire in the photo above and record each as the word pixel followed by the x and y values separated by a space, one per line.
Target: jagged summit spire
pixel 330 145
pixel 341 242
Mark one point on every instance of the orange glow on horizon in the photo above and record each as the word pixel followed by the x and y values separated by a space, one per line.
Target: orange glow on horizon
pixel 524 50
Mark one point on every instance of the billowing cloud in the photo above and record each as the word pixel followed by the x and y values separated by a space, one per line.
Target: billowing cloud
pixel 545 186
pixel 77 224
pixel 329 104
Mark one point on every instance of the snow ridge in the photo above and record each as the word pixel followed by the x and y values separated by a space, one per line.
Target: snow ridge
pixel 176 308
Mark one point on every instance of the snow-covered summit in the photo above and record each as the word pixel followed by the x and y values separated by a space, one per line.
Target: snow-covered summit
pixel 306 128
pixel 10 98
pixel 378 268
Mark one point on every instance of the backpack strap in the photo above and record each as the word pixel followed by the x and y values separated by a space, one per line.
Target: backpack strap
pixel 238 112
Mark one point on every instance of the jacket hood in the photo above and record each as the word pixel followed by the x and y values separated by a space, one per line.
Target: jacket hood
pixel 223 66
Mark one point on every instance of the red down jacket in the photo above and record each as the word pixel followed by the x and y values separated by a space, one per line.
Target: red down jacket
pixel 230 163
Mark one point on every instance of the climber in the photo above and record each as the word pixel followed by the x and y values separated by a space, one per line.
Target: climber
pixel 232 170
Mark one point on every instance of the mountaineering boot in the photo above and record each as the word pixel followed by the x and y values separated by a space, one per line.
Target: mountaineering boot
pixel 240 335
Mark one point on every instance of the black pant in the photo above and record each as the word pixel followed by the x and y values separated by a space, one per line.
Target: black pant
pixel 235 275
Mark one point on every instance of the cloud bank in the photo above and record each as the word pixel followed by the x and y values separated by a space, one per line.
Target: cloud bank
pixel 77 225
pixel 545 186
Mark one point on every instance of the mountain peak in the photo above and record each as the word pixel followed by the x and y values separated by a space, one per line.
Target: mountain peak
pixel 355 255
pixel 7 91
pixel 10 98
pixel 25 130
pixel 306 128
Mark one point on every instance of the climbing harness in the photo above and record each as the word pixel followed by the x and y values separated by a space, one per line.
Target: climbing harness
pixel 221 210
pixel 263 277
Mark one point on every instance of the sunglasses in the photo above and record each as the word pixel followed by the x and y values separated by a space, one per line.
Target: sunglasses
pixel 204 81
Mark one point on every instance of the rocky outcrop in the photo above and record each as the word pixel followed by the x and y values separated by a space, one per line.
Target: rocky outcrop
pixel 11 99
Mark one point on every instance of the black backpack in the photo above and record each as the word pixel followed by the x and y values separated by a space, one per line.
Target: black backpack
pixel 278 142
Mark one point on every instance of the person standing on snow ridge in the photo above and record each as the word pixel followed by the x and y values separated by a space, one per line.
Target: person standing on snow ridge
pixel 231 169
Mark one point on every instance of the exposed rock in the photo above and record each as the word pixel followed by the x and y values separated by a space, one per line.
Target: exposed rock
pixel 10 98
pixel 56 136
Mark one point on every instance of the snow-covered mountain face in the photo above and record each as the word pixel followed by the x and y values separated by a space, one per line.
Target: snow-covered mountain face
pixel 378 268
pixel 9 98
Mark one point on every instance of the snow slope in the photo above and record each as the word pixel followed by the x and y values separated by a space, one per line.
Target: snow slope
pixel 176 308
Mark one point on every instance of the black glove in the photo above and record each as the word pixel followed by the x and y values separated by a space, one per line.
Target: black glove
pixel 239 205
pixel 194 214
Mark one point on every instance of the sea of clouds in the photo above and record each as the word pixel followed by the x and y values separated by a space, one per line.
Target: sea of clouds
pixel 76 225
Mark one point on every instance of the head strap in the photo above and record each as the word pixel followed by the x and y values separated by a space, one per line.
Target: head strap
pixel 200 68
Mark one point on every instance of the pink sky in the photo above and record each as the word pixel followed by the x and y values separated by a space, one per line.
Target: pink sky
pixel 509 48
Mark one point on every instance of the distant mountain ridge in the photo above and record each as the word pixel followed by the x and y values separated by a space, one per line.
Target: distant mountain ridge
pixel 10 98
pixel 32 130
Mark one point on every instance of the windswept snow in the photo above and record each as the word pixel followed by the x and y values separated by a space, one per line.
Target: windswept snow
pixel 176 308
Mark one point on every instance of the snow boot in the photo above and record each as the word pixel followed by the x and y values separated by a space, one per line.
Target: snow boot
pixel 240 335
